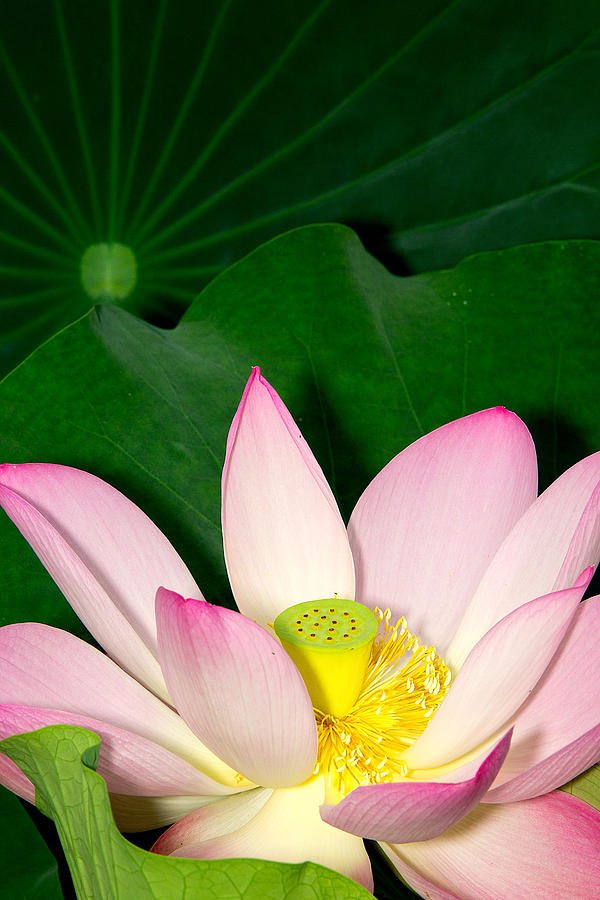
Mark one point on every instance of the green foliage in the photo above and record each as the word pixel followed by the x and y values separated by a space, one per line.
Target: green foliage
pixel 192 132
pixel 60 761
pixel 366 362
pixel 586 787
pixel 29 870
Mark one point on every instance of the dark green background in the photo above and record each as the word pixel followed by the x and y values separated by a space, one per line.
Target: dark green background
pixel 195 131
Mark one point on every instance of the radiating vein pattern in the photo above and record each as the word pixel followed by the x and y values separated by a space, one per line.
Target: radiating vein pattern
pixel 189 133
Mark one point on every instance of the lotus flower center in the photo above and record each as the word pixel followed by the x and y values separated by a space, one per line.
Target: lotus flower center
pixel 108 271
pixel 374 687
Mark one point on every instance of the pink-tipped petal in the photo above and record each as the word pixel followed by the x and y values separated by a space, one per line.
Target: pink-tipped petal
pixel 542 848
pixel 413 810
pixel 420 885
pixel 556 539
pixel 285 541
pixel 497 677
pixel 557 730
pixel 212 821
pixel 13 779
pixel 426 528
pixel 551 772
pixel 103 552
pixel 129 764
pixel 237 689
pixel 42 666
pixel 288 828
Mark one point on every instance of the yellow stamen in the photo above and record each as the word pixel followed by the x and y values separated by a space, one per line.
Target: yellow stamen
pixel 403 687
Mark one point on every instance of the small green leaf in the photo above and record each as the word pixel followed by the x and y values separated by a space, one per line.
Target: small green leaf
pixel 586 787
pixel 104 864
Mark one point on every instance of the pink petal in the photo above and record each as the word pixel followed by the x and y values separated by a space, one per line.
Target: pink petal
pixel 413 810
pixel 13 779
pixel 557 730
pixel 42 666
pixel 237 689
pixel 421 886
pixel 288 828
pixel 427 527
pixel 212 821
pixel 129 764
pixel 104 553
pixel 498 675
pixel 542 848
pixel 285 541
pixel 551 772
pixel 556 539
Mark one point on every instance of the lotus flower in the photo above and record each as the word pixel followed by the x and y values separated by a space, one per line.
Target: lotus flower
pixel 425 678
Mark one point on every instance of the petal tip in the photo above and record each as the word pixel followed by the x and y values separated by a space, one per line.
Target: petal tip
pixel 502 415
pixel 165 595
pixel 255 375
pixel 586 576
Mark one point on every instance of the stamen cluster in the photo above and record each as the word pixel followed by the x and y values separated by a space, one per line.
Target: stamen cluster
pixel 397 700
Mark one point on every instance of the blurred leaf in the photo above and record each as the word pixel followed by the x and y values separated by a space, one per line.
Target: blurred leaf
pixel 193 132
pixel 586 787
pixel 29 870
pixel 366 362
pixel 60 759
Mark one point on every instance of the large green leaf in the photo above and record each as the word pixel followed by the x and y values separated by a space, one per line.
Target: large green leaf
pixel 366 362
pixel 194 131
pixel 60 761
pixel 149 409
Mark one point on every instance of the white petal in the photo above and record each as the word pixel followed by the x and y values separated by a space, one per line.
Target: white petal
pixel 285 541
